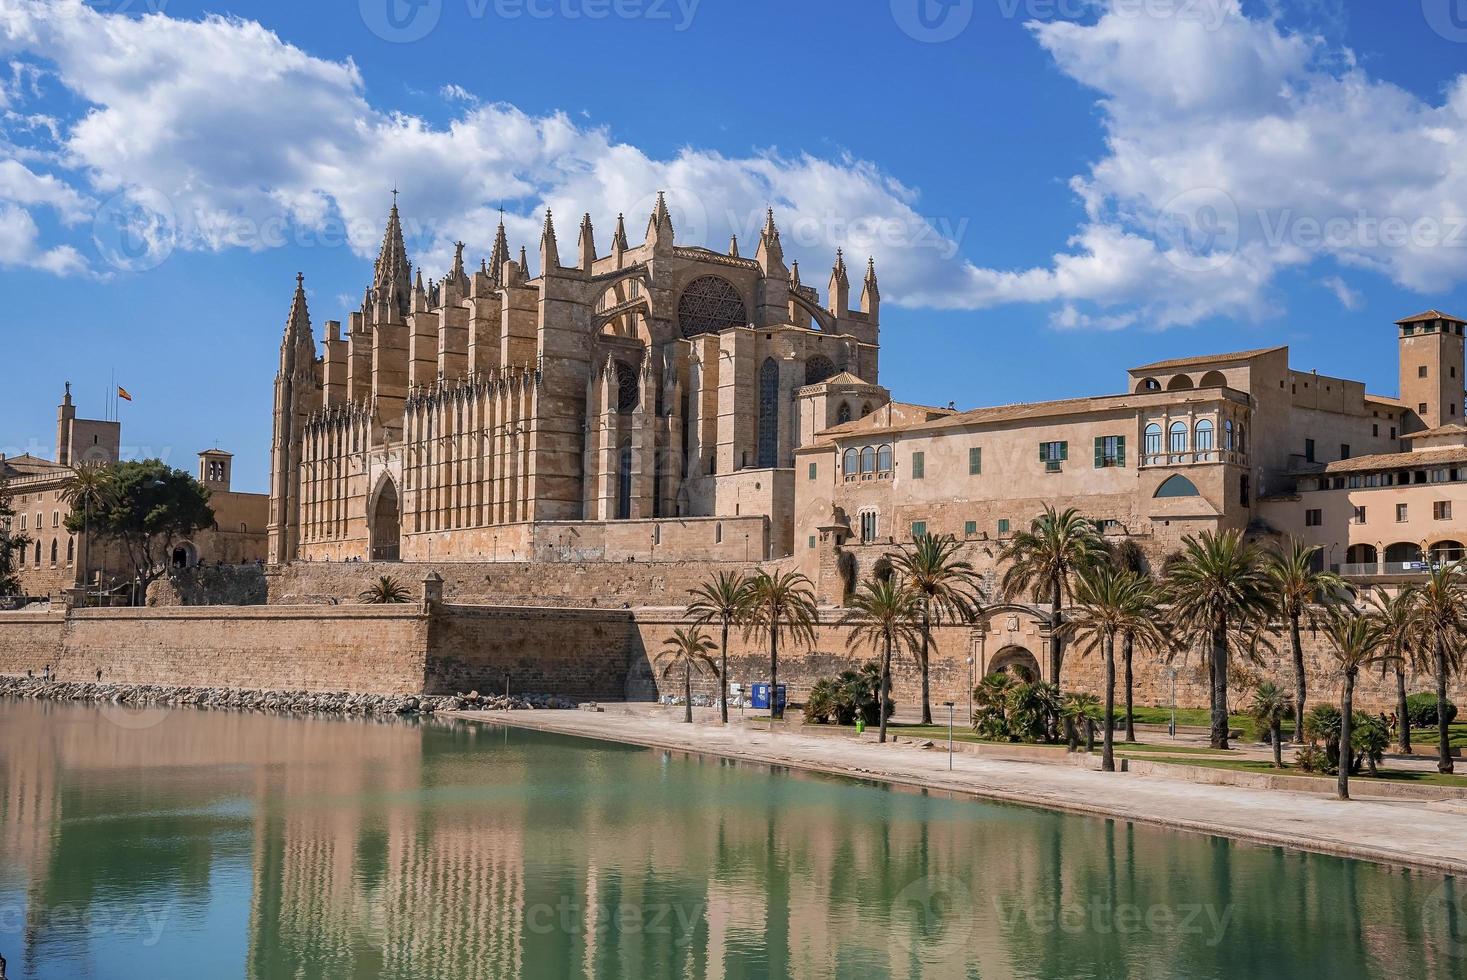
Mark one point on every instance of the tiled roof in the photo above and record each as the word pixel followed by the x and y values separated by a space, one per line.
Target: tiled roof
pixel 1430 315
pixel 1182 362
pixel 1450 429
pixel 1385 400
pixel 1393 461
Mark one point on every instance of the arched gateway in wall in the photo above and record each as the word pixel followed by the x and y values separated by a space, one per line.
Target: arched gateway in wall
pixel 387 523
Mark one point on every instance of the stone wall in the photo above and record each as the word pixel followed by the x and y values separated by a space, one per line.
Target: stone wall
pixel 579 653
pixel 379 649
pixel 211 585
pixel 600 584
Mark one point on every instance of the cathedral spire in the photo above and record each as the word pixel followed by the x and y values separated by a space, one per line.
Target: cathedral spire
pixel 795 275
pixel 619 237
pixel 840 286
pixel 659 225
pixel 733 246
pixel 500 254
pixel 870 291
pixel 587 244
pixel 770 254
pixel 549 250
pixel 299 344
pixel 390 277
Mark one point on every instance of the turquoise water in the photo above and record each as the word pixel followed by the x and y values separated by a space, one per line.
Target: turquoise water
pixel 207 844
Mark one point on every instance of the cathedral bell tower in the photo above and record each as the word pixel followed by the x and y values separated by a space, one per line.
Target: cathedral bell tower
pixel 1431 370
pixel 297 390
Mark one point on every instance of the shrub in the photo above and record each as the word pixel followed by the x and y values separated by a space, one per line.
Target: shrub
pixel 1369 739
pixel 841 698
pixel 1421 709
pixel 1311 758
pixel 820 705
pixel 1010 710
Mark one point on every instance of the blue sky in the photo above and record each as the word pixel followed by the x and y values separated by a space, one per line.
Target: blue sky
pixel 1059 190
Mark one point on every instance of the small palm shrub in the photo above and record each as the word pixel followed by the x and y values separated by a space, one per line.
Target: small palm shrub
pixel 820 705
pixel 1421 708
pixel 1368 740
pixel 1007 709
pixel 386 591
pixel 849 694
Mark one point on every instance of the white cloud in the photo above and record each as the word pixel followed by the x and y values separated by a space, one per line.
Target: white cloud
pixel 19 245
pixel 1349 298
pixel 1234 150
pixel 22 186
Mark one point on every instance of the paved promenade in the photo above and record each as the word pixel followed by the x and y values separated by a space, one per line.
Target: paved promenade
pixel 1411 833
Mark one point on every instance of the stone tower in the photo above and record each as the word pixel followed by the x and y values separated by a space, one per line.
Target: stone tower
pixel 297 391
pixel 1431 359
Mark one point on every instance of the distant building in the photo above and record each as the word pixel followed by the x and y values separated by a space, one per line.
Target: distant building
pixel 58 560
pixel 1214 442
pixel 641 402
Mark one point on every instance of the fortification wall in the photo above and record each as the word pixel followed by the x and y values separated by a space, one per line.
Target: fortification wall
pixel 29 640
pixel 578 653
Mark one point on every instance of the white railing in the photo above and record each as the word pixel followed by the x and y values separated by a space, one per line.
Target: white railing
pixel 1195 458
pixel 1374 568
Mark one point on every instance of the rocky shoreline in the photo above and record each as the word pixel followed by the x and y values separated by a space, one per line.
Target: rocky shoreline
pixel 282 702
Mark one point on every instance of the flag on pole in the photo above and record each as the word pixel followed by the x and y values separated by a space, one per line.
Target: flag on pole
pixel 122 393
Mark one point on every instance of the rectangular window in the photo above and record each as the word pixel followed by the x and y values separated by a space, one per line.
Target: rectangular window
pixel 1243 490
pixel 919 528
pixel 812 471
pixel 1359 515
pixel 970 528
pixel 1110 451
pixel 1003 525
pixel 1400 513
pixel 1374 429
pixel 1313 518
pixel 975 461
pixel 1344 450
pixel 812 542
pixel 1309 450
pixel 1421 408
pixel 919 466
pixel 1421 371
pixel 56 518
pixel 1052 454
pixel 868 526
pixel 1441 510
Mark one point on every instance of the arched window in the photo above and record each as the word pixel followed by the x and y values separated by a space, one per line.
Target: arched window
pixel 710 305
pixel 38 552
pixel 817 369
pixel 53 551
pixel 850 463
pixel 865 410
pixel 71 551
pixel 868 460
pixel 1177 486
pixel 883 459
pixel 1153 439
pixel 844 414
pixel 1228 434
pixel 1203 442
pixel 1242 443
pixel 1178 442
pixel 769 414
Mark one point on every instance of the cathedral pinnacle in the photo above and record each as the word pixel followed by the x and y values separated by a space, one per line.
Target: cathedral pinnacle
pixel 390 277
pixel 500 254
pixel 587 244
pixel 619 238
pixel 733 246
pixel 549 249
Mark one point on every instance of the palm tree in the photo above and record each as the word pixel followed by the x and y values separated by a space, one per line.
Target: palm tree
pixel 385 591
pixel 1299 588
pixel 1270 705
pixel 1046 558
pixel 1129 557
pixel 689 649
pixel 1355 640
pixel 1218 590
pixel 780 604
pixel 1439 626
pixel 1107 603
pixel 1394 615
pixel 724 600
pixel 90 489
pixel 884 615
pixel 946 588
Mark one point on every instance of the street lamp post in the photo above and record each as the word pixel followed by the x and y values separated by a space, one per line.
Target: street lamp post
pixel 949 735
pixel 1172 726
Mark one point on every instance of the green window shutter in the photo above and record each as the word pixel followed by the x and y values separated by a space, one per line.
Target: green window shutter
pixel 970 528
pixel 1003 525
pixel 1064 451
pixel 919 465
pixel 1043 454
pixel 812 471
pixel 1120 451
pixel 975 461
pixel 1099 452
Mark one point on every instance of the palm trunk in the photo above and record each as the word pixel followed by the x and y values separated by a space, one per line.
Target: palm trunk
pixel 1278 750
pixel 926 663
pixel 1056 641
pixel 1220 686
pixel 1108 744
pixel 723 676
pixel 1296 646
pixel 774 711
pixel 1403 717
pixel 1347 752
pixel 1128 649
pixel 688 691
pixel 1443 739
pixel 885 687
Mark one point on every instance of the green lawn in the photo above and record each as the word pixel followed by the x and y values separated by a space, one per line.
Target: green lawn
pixel 1424 739
pixel 1198 718
pixel 938 733
pixel 1261 766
